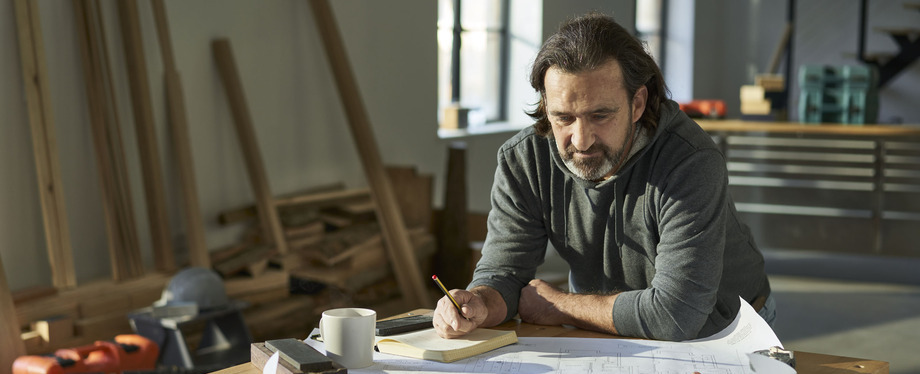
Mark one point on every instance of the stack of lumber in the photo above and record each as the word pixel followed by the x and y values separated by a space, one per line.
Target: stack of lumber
pixel 765 100
pixel 82 315
pixel 336 255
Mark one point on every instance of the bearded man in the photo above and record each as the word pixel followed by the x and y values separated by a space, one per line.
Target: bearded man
pixel 631 193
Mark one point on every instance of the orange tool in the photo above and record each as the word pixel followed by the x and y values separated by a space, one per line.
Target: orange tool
pixel 704 108
pixel 127 352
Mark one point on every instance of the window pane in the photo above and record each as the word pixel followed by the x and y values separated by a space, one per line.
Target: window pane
pixel 445 14
pixel 445 42
pixel 481 14
pixel 648 25
pixel 481 72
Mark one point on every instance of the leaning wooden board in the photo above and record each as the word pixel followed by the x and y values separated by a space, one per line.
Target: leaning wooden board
pixel 44 144
pixel 245 132
pixel 148 149
pixel 178 124
pixel 116 201
pixel 399 247
pixel 11 345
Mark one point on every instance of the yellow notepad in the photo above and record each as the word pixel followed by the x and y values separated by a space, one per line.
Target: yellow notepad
pixel 427 345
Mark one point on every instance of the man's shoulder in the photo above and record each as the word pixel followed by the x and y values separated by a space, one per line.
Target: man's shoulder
pixel 679 129
pixel 526 140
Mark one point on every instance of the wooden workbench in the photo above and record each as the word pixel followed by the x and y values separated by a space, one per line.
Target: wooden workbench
pixel 738 126
pixel 806 362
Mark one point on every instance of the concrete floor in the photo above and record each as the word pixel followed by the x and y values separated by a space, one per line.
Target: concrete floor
pixel 845 305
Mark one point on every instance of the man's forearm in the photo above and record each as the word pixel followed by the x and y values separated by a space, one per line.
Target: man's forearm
pixel 494 303
pixel 543 304
pixel 589 312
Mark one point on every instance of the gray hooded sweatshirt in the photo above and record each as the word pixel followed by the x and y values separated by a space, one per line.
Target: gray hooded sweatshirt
pixel 663 232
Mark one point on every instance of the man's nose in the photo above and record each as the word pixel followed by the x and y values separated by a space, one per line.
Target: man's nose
pixel 582 135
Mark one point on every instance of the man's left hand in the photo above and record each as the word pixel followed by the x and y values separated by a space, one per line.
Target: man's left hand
pixel 538 304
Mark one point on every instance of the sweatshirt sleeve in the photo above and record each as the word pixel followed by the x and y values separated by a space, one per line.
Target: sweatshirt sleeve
pixel 516 240
pixel 689 207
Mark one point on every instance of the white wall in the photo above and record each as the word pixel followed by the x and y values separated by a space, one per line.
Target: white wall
pixel 301 128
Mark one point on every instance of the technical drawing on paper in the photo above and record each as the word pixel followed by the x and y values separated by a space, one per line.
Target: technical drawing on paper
pixel 567 355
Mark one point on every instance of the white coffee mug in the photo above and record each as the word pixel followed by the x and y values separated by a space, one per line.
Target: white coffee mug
pixel 348 334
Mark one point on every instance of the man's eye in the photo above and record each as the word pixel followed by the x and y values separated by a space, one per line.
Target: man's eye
pixel 599 117
pixel 563 120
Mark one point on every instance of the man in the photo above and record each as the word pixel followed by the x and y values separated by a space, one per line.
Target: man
pixel 630 192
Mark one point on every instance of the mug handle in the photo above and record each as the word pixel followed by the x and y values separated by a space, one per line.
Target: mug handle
pixel 322 334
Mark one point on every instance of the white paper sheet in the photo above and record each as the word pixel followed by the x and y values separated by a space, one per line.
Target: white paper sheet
pixel 271 366
pixel 723 353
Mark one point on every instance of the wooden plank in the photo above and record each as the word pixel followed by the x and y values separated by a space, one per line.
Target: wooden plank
pixel 11 345
pixel 127 256
pixel 311 198
pixel 106 138
pixel 33 293
pixel 899 131
pixel 239 262
pixel 413 192
pixel 54 329
pixel 394 231
pixel 325 199
pixel 44 144
pixel 453 259
pixel 140 291
pixel 145 128
pixel 178 124
pixel 272 279
pixel 268 215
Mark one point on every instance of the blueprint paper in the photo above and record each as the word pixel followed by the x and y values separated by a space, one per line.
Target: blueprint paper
pixel 747 333
pixel 723 353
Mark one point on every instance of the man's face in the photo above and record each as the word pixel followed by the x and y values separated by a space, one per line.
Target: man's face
pixel 591 117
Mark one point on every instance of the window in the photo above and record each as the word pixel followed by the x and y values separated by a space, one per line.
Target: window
pixel 650 19
pixel 484 51
pixel 667 28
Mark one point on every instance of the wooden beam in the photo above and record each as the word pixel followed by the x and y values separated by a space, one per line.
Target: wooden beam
pixel 401 255
pixel 145 126
pixel 110 157
pixel 316 197
pixel 454 256
pixel 11 345
pixel 268 215
pixel 44 144
pixel 178 124
pixel 128 253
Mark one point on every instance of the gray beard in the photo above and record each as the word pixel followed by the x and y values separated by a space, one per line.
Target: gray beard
pixel 592 170
pixel 596 169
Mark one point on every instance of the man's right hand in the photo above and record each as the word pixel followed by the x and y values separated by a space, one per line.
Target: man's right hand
pixel 448 323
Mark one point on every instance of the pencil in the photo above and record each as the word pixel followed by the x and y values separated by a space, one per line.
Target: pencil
pixel 443 289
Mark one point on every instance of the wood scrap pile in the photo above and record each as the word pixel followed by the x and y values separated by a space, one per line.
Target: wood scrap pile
pixel 79 316
pixel 336 254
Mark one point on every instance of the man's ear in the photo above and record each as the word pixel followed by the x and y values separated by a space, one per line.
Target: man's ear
pixel 639 101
